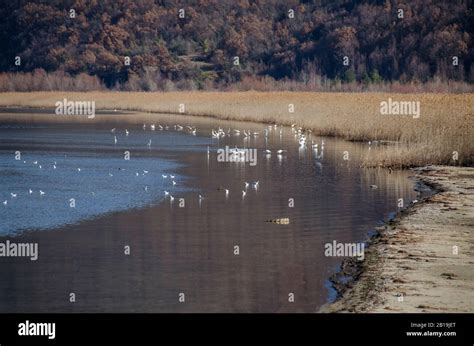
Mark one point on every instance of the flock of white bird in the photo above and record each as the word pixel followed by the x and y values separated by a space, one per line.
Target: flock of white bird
pixel 300 135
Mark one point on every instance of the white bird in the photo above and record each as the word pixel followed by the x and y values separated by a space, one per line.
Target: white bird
pixel 152 126
pixel 137 174
pixel 115 139
pixel 40 167
pixel 13 194
pixel 146 188
pixel 302 141
pixel 243 194
pixel 174 183
pixel 144 126
pixel 5 202
pixel 268 152
pixel 164 176
pixel 200 198
pixel 246 185
pixel 54 166
pixel 255 184
pixel 111 175
pixel 31 191
pixel 166 193
pixel 281 151
pixel 41 193
pixel 149 143
pixel 35 162
pixel 171 176
pixel 373 186
pixel 78 169
pixel 160 127
pixel 146 172
pixel 126 132
pixel 113 130
pixel 171 198
pixel 226 192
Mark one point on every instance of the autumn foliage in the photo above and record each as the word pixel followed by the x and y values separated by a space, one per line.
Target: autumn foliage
pixel 384 41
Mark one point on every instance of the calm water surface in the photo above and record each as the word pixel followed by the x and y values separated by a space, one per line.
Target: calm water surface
pixel 173 249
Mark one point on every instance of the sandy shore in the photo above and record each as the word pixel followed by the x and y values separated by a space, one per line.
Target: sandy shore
pixel 423 260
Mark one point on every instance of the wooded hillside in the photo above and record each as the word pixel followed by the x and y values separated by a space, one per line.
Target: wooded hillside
pixel 194 44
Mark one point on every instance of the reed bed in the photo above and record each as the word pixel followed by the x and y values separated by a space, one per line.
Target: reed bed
pixel 445 126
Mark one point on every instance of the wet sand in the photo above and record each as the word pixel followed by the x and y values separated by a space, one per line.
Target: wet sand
pixel 422 261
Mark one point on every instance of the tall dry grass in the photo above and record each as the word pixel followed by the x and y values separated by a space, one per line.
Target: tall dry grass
pixel 446 123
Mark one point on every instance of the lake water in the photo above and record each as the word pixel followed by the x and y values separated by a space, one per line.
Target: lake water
pixel 184 246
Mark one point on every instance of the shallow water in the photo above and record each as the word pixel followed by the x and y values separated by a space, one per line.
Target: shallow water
pixel 187 249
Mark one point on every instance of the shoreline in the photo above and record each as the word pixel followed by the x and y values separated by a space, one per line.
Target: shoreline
pixel 421 260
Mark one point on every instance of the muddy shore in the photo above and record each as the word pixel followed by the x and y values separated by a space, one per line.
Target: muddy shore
pixel 422 261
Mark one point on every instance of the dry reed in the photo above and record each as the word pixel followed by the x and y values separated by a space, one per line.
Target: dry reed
pixel 445 126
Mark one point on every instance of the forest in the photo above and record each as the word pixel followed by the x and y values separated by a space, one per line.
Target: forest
pixel 213 44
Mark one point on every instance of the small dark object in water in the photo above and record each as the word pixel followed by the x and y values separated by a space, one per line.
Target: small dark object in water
pixel 282 221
